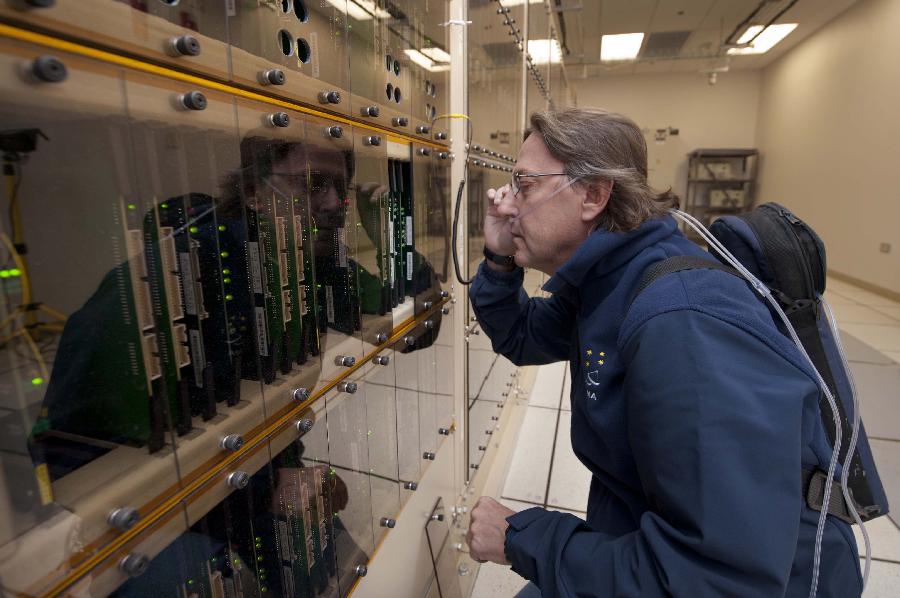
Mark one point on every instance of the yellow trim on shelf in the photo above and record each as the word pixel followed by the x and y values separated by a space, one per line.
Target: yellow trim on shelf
pixel 169 73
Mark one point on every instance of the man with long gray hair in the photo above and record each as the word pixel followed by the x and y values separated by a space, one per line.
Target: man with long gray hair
pixel 692 411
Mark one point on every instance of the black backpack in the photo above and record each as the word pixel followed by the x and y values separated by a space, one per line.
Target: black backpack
pixel 787 255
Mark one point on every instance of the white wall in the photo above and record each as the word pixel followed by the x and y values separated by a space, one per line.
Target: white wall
pixel 723 115
pixel 829 131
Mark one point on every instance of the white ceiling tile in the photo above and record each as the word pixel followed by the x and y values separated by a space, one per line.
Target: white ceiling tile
pixel 680 15
pixel 625 16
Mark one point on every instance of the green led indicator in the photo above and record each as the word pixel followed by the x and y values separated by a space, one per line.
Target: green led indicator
pixel 229 297
pixel 259 558
pixel 224 254
pixel 4 273
pixel 226 271
pixel 221 227
pixel 37 381
pixel 226 280
pixel 190 582
pixel 132 206
pixel 164 206
pixel 15 272
pixel 194 229
pixel 264 590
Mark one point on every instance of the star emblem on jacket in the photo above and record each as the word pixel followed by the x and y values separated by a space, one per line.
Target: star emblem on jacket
pixel 592 364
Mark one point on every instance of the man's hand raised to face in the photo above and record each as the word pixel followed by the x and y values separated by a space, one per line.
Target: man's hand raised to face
pixel 497 234
pixel 487 531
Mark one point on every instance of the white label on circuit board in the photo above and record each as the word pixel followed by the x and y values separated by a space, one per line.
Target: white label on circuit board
pixel 329 304
pixel 342 247
pixel 409 265
pixel 409 230
pixel 262 334
pixel 393 269
pixel 187 283
pixel 255 270
pixel 197 356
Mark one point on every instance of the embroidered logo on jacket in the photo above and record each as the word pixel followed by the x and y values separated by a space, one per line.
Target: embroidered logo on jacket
pixel 592 365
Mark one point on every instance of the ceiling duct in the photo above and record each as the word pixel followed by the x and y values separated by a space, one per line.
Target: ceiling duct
pixel 502 53
pixel 667 44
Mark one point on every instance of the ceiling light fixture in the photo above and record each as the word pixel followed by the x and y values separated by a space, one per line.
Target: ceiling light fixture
pixel 425 62
pixel 623 46
pixel 766 38
pixel 360 10
pixel 543 51
pixel 436 54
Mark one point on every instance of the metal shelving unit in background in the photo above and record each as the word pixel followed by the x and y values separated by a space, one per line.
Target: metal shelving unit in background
pixel 720 181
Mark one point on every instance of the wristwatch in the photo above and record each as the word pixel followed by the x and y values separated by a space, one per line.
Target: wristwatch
pixel 508 261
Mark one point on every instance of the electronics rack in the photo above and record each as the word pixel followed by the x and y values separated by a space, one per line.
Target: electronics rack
pixel 242 382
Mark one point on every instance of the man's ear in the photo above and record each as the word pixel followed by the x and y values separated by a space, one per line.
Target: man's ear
pixel 595 200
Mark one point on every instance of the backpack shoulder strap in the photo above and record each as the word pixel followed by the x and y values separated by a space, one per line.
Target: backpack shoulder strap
pixel 677 264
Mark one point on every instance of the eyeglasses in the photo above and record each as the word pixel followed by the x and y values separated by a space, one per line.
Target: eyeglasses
pixel 516 182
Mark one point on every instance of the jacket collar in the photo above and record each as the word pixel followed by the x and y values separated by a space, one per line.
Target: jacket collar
pixel 604 251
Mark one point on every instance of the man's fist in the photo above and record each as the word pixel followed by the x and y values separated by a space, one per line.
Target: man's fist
pixel 497 234
pixel 487 531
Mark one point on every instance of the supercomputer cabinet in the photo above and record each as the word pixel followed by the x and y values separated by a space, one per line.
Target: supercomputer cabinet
pixel 226 362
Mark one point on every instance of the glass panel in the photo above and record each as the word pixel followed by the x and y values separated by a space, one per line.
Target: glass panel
pixel 379 72
pixel 443 558
pixel 369 214
pixel 85 395
pixel 275 290
pixel 381 413
pixel 400 209
pixel 495 105
pixel 329 163
pixel 296 47
pixel 429 78
pixel 182 34
pixel 205 217
pixel 424 279
pixel 351 486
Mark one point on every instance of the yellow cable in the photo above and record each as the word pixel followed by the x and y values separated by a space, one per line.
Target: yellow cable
pixel 42 365
pixel 10 317
pixel 465 116
pixel 52 312
pixel 26 290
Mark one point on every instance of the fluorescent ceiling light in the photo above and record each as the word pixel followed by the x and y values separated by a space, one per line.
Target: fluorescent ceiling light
pixel 436 54
pixel 361 10
pixel 425 62
pixel 511 3
pixel 543 51
pixel 764 42
pixel 624 46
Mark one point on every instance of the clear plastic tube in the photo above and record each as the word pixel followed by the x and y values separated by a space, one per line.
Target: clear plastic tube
pixel 832 465
pixel 851 449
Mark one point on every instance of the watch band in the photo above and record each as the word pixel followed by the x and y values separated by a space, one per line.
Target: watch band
pixel 500 260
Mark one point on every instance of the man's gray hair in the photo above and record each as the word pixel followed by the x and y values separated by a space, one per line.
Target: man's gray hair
pixel 596 145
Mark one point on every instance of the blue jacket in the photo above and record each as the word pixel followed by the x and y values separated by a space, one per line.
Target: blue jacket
pixel 695 416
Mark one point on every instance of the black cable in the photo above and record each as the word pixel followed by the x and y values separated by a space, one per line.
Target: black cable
pixel 459 194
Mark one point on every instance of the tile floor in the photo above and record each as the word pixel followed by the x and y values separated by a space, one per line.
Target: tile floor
pixel 544 471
